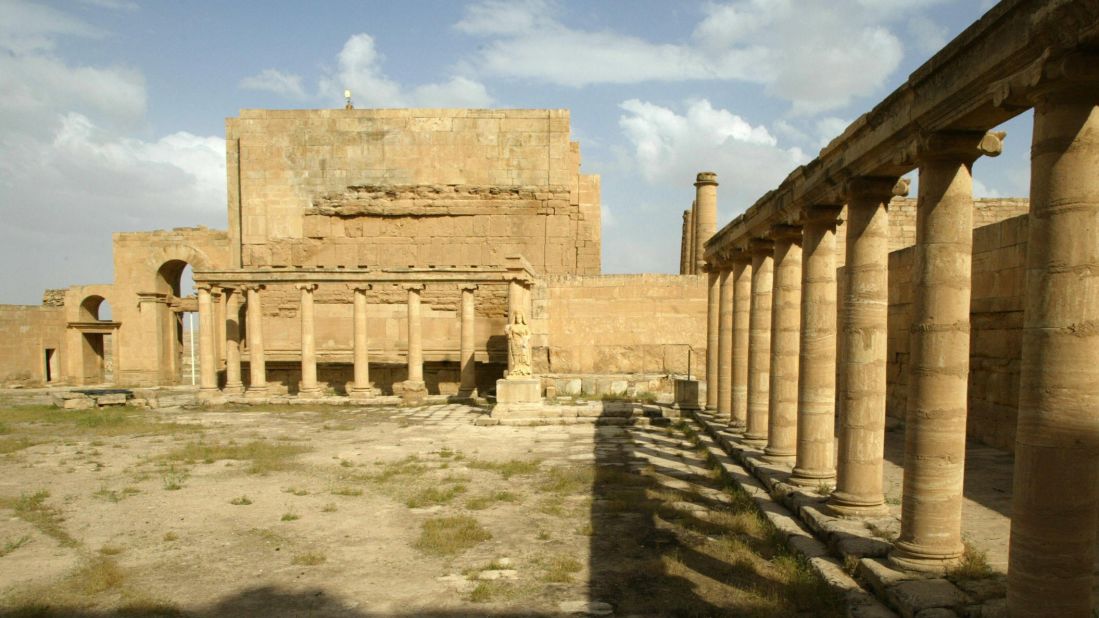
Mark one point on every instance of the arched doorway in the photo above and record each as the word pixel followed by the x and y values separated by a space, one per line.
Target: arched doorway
pixel 177 355
pixel 97 333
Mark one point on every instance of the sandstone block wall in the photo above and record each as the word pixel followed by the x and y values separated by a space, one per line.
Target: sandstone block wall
pixel 619 324
pixel 26 332
pixel 398 188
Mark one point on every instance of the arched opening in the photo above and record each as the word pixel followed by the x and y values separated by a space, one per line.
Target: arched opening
pixel 178 356
pixel 97 345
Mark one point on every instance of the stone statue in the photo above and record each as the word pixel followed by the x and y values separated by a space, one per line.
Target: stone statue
pixel 518 346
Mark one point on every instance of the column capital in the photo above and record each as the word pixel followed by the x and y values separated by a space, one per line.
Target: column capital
pixel 362 287
pixel 204 286
pixel 413 287
pixel 1074 75
pixel 253 287
pixel 229 290
pixel 785 232
pixel 827 214
pixel 762 246
pixel 963 146
pixel 706 178
pixel 883 188
pixel 467 287
pixel 306 287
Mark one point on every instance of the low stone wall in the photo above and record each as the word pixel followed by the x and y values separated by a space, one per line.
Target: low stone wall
pixel 26 332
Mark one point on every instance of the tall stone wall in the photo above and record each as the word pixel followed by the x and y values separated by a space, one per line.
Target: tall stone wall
pixel 996 320
pixel 620 324
pixel 26 332
pixel 399 188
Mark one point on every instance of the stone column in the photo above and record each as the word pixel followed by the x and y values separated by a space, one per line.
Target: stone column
pixel 233 383
pixel 934 455
pixel 415 339
pixel 1055 499
pixel 725 342
pixel 207 348
pixel 257 368
pixel 713 319
pixel 515 304
pixel 782 422
pixel 468 385
pixel 866 298
pixel 705 214
pixel 742 300
pixel 218 298
pixel 759 341
pixel 692 268
pixel 684 238
pixel 815 457
pixel 360 387
pixel 309 386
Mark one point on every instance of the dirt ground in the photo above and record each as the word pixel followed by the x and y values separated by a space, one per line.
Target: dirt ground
pixel 375 511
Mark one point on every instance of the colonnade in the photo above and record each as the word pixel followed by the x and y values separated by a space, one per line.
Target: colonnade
pixel 792 360
pixel 309 387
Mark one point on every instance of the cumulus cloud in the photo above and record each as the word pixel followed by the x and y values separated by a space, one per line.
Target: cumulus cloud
pixel 671 146
pixel 746 40
pixel 272 80
pixel 360 70
pixel 76 163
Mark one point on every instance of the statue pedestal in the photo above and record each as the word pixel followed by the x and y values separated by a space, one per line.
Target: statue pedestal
pixel 517 395
pixel 686 397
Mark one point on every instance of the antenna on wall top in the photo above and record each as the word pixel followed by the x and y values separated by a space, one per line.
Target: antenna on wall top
pixel 347 98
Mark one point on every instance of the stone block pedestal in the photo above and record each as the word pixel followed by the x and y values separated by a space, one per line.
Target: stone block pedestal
pixel 514 396
pixel 412 392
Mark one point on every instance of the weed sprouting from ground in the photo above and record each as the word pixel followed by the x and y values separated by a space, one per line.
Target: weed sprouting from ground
pixel 485 501
pixel 116 496
pixel 290 516
pixel 309 558
pixel 9 546
pixel 172 479
pixel 346 491
pixel 560 569
pixel 507 469
pixel 434 495
pixel 973 565
pixel 446 536
pixel 241 501
pixel 32 508
pixel 567 479
pixel 488 591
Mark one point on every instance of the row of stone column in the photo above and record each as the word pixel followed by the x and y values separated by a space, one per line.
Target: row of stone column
pixel 360 387
pixel 774 341
pixel 699 225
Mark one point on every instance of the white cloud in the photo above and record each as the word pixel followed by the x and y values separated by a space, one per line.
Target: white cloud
pixel 928 35
pixel 671 148
pixel 360 70
pixel 982 190
pixel 272 80
pixel 817 55
pixel 73 168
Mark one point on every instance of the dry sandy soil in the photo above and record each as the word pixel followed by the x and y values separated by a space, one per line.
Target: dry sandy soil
pixel 375 511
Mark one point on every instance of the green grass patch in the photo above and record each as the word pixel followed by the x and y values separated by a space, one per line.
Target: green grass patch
pixel 264 456
pixel 11 445
pixel 507 469
pixel 485 501
pixel 434 495
pixel 32 508
pixel 9 546
pixel 290 516
pixel 489 591
pixel 567 479
pixel 309 558
pixel 560 569
pixel 54 422
pixel 446 536
pixel 409 467
pixel 241 501
pixel 116 496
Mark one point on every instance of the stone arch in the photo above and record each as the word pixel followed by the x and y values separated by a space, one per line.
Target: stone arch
pixel 90 308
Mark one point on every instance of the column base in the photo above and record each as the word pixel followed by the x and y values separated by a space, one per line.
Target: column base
pixel 234 389
pixel 412 392
pixel 915 558
pixel 310 393
pixel 256 392
pixel 207 393
pixel 467 393
pixel 811 478
pixel 360 392
pixel 736 426
pixel 754 439
pixel 779 456
pixel 845 505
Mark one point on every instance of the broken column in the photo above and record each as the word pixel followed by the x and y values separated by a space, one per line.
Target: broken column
pixel 759 341
pixel 308 386
pixel 413 389
pixel 859 483
pixel 1055 500
pixel 934 455
pixel 782 421
pixel 705 214
pixel 814 462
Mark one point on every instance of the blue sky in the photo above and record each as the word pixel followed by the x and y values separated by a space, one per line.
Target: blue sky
pixel 112 111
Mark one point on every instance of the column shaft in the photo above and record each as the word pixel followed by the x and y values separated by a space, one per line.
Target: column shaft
pixel 934 456
pixel 233 383
pixel 725 342
pixel 692 268
pixel 468 385
pixel 415 337
pixel 759 342
pixel 817 365
pixel 1055 500
pixel 684 238
pixel 257 367
pixel 207 349
pixel 361 386
pixel 782 425
pixel 859 484
pixel 742 301
pixel 713 319
pixel 705 214
pixel 309 386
